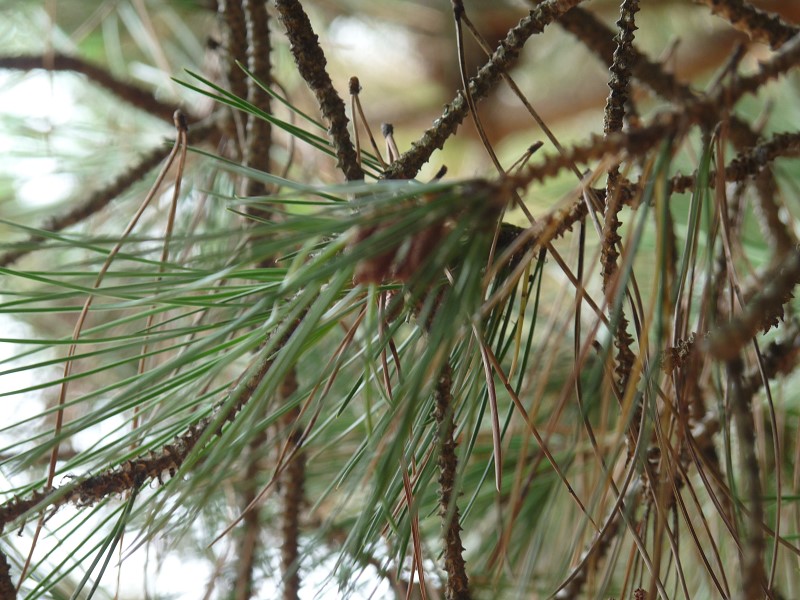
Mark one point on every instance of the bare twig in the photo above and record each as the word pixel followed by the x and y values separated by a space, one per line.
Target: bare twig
pixel 762 312
pixel 619 84
pixel 310 61
pixel 251 530
pixel 293 482
pixel 102 197
pixel 752 552
pixel 759 25
pixel 7 589
pixel 235 51
pixel 457 581
pixel 148 467
pixel 130 93
pixel 456 111
pixel 259 131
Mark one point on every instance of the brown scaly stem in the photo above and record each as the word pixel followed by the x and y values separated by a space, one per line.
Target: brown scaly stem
pixel 598 38
pixel 488 76
pixel 133 473
pixel 762 312
pixel 457 587
pixel 619 84
pixel 235 42
pixel 247 545
pixel 102 197
pixel 310 62
pixel 752 551
pixel 259 131
pixel 293 482
pixel 132 94
pixel 7 589
pixel 673 123
pixel 761 26
pixel 748 163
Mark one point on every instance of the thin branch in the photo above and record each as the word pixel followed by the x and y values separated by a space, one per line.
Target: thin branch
pixel 673 123
pixel 7 589
pixel 761 26
pixel 235 51
pixel 102 197
pixel 762 312
pixel 752 552
pixel 457 582
pixel 456 111
pixel 293 481
pixel 250 534
pixel 619 85
pixel 130 93
pixel 310 61
pixel 151 466
pixel 598 38
pixel 259 131
pixel 748 163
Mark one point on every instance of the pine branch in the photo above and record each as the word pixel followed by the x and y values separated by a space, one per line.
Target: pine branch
pixel 703 111
pixel 235 51
pixel 250 531
pixel 457 587
pixel 746 164
pixel 759 25
pixel 134 473
pixel 619 84
pixel 104 196
pixel 130 93
pixel 7 589
pixel 598 38
pixel 752 551
pixel 762 312
pixel 310 62
pixel 259 131
pixel 410 162
pixel 293 481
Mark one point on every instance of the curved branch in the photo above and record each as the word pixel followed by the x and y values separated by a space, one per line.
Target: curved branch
pixel 310 62
pixel 102 197
pixel 759 25
pixel 133 473
pixel 407 166
pixel 130 93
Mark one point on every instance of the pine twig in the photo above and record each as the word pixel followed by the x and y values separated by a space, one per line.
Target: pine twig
pixel 748 163
pixel 7 589
pixel 619 84
pixel 410 162
pixel 293 481
pixel 761 313
pixel 247 545
pixel 259 131
pixel 130 93
pixel 104 196
pixel 598 38
pixel 752 551
pixel 457 587
pixel 148 467
pixel 235 50
pixel 310 61
pixel 759 25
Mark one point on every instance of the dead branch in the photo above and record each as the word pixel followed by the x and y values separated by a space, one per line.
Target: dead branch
pixel 310 61
pixel 130 93
pixel 488 76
